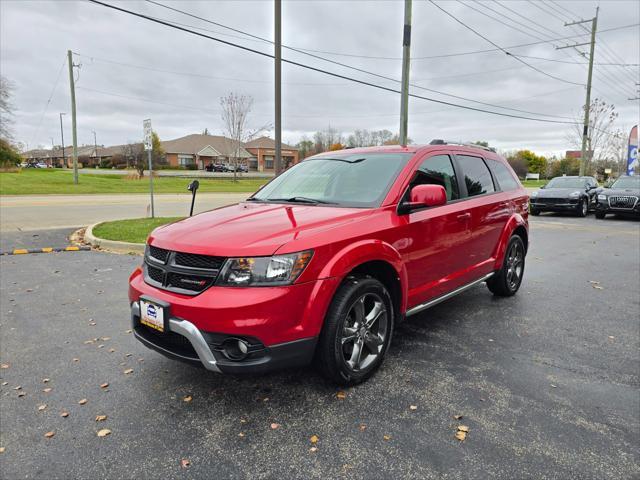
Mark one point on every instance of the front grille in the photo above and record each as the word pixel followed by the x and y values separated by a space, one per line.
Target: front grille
pixel 180 272
pixel 170 341
pixel 192 260
pixel 626 201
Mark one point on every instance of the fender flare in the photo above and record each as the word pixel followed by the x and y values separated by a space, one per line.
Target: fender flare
pixel 358 253
pixel 514 222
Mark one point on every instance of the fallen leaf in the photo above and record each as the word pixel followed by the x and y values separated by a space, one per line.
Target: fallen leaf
pixel 141 359
pixel 313 449
pixel 457 417
pixel 64 414
pixel 5 383
pixel 241 434
pixel 88 342
pixel 47 390
pixel 104 385
pixel 128 354
pixel 386 437
pixel 243 420
pixel 128 371
pixel 111 350
pixel 45 380
pixel 593 282
pixel 76 359
pixel 184 463
pixel 314 439
pixel 21 394
pixel 106 339
pixel 553 386
pixel 187 399
pixel 275 426
pixel 341 395
pixel 104 432
pixel 18 387
pixel 1 449
pixel 101 346
pixel 597 287
pixel 101 418
pixel 42 407
pixel 4 366
pixel 413 407
pixel 611 337
pixel 463 428
pixel 265 399
pixel 83 401
pixel 362 427
pixel 49 434
pixel 127 331
pixel 461 435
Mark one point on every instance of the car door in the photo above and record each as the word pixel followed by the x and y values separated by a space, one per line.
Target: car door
pixel 435 237
pixel 489 210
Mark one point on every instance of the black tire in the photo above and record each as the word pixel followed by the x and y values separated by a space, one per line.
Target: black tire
pixel 341 323
pixel 583 208
pixel 534 211
pixel 600 215
pixel 503 283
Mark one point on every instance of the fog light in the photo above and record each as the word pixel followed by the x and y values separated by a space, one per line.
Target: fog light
pixel 235 349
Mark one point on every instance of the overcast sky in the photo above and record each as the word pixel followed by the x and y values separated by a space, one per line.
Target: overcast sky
pixel 176 78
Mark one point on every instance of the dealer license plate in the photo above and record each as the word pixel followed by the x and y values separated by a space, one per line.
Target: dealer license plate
pixel 152 315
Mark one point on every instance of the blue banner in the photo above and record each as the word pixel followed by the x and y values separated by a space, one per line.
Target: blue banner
pixel 632 159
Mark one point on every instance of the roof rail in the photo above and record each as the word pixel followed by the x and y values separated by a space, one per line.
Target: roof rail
pixel 438 141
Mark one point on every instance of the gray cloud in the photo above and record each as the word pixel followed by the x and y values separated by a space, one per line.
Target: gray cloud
pixel 113 99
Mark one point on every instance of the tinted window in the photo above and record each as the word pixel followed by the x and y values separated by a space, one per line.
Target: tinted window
pixel 476 175
pixel 438 170
pixel 567 182
pixel 504 176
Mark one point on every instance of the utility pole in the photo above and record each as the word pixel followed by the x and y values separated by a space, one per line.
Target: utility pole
pixel 95 146
pixel 64 159
pixel 406 63
pixel 587 106
pixel 278 81
pixel 74 132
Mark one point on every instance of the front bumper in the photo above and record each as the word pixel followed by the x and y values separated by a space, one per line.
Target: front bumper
pixel 184 342
pixel 554 205
pixel 603 206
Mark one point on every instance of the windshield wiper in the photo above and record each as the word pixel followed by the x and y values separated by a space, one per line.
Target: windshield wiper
pixel 299 199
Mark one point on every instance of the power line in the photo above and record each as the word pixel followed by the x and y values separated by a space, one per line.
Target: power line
pixel 499 47
pixel 316 69
pixel 558 60
pixel 46 105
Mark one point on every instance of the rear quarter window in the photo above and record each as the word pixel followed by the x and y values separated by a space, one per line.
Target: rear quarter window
pixel 503 175
pixel 477 177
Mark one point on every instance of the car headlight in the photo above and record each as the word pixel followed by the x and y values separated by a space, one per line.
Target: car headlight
pixel 534 194
pixel 602 196
pixel 263 271
pixel 574 194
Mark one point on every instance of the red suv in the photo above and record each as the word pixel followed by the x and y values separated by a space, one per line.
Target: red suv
pixel 323 261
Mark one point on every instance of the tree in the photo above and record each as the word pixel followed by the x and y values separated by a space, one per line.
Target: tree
pixel 9 157
pixel 235 112
pixel 6 108
pixel 525 161
pixel 305 147
pixel 157 150
pixel 336 146
pixel 135 155
pixel 602 117
pixel 205 131
pixel 482 143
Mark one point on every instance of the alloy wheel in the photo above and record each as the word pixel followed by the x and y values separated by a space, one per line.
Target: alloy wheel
pixel 365 332
pixel 515 265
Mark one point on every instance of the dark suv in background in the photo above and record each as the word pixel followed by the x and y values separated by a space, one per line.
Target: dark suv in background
pixel 565 194
pixel 622 198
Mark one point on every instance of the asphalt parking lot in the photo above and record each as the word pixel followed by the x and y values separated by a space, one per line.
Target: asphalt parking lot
pixel 547 382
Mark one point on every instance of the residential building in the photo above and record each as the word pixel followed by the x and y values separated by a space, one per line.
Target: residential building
pixel 197 151
pixel 263 153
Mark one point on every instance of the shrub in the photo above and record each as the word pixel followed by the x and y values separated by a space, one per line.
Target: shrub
pixel 9 157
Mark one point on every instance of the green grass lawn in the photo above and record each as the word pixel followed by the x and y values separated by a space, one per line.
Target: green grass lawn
pixel 53 181
pixel 534 183
pixel 135 230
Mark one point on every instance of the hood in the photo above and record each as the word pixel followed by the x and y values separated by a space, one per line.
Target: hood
pixel 558 192
pixel 621 191
pixel 249 228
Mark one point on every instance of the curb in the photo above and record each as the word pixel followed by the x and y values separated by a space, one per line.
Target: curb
pixel 111 245
pixel 24 251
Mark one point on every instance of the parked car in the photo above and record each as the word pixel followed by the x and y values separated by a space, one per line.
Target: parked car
pixel 565 194
pixel 327 258
pixel 621 198
pixel 243 168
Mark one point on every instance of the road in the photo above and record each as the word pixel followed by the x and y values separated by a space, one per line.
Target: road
pixel 547 381
pixel 58 211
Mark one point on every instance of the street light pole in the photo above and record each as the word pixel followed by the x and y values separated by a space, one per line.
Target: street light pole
pixel 74 133
pixel 278 82
pixel 95 146
pixel 406 63
pixel 64 160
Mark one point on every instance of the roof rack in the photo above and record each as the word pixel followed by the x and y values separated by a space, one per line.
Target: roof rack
pixel 438 141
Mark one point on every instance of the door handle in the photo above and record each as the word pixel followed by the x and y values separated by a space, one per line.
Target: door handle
pixel 464 216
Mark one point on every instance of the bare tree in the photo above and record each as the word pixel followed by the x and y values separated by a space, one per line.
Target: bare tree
pixel 134 153
pixel 602 117
pixel 6 108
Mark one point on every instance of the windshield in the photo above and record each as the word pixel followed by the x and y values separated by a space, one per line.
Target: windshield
pixel 627 182
pixel 567 182
pixel 356 180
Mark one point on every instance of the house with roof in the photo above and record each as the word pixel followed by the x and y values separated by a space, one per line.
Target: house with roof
pixel 198 151
pixel 263 151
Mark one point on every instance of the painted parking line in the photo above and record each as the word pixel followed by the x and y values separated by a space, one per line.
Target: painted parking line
pixel 25 251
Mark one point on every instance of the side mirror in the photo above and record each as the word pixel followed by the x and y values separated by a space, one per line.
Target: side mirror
pixel 422 196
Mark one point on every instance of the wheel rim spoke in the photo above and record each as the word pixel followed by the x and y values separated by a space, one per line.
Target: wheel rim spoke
pixel 373 342
pixel 364 331
pixel 373 315
pixel 356 353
